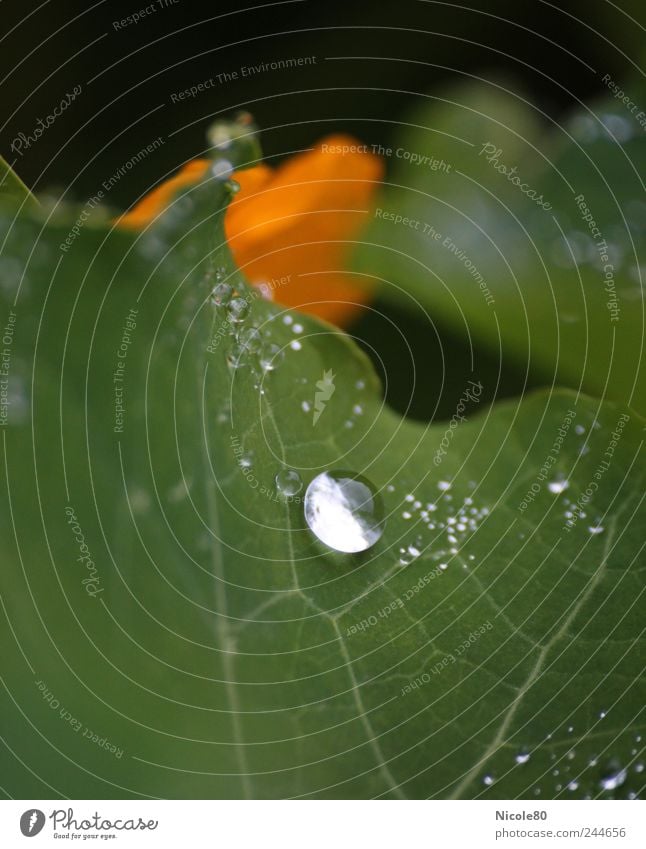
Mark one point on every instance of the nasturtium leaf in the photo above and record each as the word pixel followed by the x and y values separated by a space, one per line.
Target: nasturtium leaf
pixel 12 188
pixel 525 235
pixel 172 628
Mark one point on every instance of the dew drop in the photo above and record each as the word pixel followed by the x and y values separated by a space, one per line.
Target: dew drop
pixel 238 309
pixel 488 780
pixel 250 339
pixel 221 294
pixel 408 555
pixel 271 357
pixel 522 757
pixel 613 779
pixel 344 511
pixel 595 529
pixel 246 460
pixel 236 355
pixel 443 486
pixel 288 482
pixel 572 786
pixel 558 486
pixel 222 169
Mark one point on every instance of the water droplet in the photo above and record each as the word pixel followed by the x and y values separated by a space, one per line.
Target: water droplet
pixel 238 309
pixel 236 355
pixel 233 186
pixel 288 482
pixel 222 169
pixel 488 780
pixel 295 345
pixel 596 529
pixel 357 410
pixel 522 757
pixel 344 511
pixel 613 779
pixel 443 486
pixel 271 357
pixel 246 460
pixel 558 486
pixel 297 328
pixel 287 319
pixel 408 555
pixel 306 406
pixel 602 714
pixel 250 338
pixel 639 767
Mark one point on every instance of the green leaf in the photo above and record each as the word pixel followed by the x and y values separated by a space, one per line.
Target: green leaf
pixel 12 187
pixel 172 628
pixel 518 268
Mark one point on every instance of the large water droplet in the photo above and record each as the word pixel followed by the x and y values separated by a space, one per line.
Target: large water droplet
pixel 344 511
pixel 288 482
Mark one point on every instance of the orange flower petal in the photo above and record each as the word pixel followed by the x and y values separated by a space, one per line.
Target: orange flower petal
pixel 296 231
pixel 157 200
pixel 292 228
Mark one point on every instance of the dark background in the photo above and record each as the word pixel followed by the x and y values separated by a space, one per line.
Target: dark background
pixel 126 74
pixel 556 55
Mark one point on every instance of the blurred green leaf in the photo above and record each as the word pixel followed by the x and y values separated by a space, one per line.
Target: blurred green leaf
pixel 495 242
pixel 12 187
pixel 173 629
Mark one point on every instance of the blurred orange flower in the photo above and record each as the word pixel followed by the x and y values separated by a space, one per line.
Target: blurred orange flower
pixel 290 229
